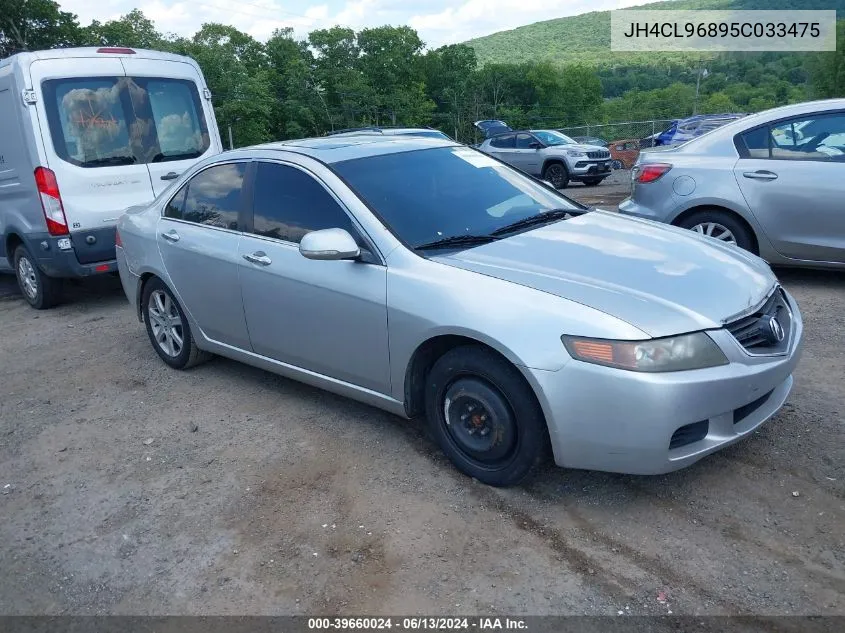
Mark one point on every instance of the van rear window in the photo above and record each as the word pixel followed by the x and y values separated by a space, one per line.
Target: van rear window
pixel 106 121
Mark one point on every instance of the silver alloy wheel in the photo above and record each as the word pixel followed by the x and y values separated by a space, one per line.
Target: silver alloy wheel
pixel 26 273
pixel 715 230
pixel 166 323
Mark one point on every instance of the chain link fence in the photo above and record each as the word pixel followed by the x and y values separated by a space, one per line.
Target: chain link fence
pixel 644 132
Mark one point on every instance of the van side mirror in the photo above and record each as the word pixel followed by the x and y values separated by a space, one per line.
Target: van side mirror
pixel 329 245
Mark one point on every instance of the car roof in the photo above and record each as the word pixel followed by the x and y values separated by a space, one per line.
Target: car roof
pixel 337 148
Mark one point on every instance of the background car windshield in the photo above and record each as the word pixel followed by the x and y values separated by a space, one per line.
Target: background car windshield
pixel 550 137
pixel 431 194
pixel 103 121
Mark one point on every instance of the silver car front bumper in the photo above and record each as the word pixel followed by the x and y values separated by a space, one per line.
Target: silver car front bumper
pixel 607 419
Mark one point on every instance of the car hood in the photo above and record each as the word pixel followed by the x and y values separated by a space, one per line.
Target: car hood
pixel 660 279
pixel 581 147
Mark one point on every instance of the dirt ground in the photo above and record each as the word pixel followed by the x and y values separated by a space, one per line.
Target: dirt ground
pixel 130 488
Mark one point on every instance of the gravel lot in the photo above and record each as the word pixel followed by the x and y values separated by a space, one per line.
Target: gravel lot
pixel 130 488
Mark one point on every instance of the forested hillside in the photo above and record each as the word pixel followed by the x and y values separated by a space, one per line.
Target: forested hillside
pixel 585 39
pixel 334 78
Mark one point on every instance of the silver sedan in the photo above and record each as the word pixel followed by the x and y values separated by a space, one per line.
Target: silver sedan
pixel 771 183
pixel 428 279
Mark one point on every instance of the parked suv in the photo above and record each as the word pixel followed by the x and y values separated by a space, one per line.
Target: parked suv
pixel 550 155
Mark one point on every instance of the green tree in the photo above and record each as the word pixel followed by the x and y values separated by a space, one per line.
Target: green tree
pixel 30 25
pixel 827 70
pixel 133 29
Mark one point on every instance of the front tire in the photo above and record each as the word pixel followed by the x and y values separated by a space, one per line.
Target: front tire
pixel 484 416
pixel 168 328
pixel 39 290
pixel 557 174
pixel 721 225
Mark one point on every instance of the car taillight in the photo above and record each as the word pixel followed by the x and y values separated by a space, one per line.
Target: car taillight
pixel 116 49
pixel 117 240
pixel 650 173
pixel 51 201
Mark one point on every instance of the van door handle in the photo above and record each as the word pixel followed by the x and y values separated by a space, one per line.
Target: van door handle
pixel 258 257
pixel 170 176
pixel 171 236
pixel 761 174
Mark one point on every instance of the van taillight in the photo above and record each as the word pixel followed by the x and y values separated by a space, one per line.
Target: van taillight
pixel 116 49
pixel 117 240
pixel 51 201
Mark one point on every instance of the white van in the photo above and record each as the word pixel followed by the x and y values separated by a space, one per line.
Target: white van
pixel 85 133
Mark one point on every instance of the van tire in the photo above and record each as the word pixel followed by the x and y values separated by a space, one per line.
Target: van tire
pixel 40 291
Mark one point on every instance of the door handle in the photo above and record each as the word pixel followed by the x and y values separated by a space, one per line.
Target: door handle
pixel 760 174
pixel 258 257
pixel 170 176
pixel 171 236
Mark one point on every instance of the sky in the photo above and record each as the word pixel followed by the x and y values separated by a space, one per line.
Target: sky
pixel 438 22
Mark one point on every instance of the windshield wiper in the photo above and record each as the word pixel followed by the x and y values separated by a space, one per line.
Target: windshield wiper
pixel 160 157
pixel 541 218
pixel 111 160
pixel 457 241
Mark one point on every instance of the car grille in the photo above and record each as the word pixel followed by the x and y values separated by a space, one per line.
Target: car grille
pixel 599 154
pixel 746 410
pixel 754 331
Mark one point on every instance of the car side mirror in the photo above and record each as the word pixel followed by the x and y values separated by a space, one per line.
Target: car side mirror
pixel 535 145
pixel 329 244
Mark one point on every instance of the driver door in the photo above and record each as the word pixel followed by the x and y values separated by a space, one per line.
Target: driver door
pixel 791 176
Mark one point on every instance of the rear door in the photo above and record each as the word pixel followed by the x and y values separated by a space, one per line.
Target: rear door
pixel 791 176
pixel 169 102
pixel 528 159
pixel 85 123
pixel 503 147
pixel 198 237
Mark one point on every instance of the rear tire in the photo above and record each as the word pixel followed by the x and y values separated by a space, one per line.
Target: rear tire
pixel 485 416
pixel 168 328
pixel 715 222
pixel 557 174
pixel 39 290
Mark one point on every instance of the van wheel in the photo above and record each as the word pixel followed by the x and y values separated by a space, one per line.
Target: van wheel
pixel 556 174
pixel 40 291
pixel 485 416
pixel 168 328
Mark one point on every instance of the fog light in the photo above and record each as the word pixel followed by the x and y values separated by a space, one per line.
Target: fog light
pixel 64 244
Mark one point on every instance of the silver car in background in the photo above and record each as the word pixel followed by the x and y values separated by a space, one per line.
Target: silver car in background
pixel 772 183
pixel 550 155
pixel 427 279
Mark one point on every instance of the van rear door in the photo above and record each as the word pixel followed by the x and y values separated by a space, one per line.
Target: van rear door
pixel 169 100
pixel 86 128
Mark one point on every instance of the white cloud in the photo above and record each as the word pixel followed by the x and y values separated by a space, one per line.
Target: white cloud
pixel 437 21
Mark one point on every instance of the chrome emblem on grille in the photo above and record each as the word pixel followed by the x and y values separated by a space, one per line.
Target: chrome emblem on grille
pixel 771 328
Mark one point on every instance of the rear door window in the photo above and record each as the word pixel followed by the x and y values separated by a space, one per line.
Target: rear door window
pixel 212 197
pixel 106 121
pixel 506 141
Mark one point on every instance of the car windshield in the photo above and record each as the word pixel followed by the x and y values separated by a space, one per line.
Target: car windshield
pixel 428 195
pixel 550 137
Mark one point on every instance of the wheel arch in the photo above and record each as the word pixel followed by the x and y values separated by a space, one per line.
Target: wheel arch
pixel 697 208
pixel 426 354
pixel 11 241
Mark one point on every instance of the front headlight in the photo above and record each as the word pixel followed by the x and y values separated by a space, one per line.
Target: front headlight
pixel 676 353
pixel 574 153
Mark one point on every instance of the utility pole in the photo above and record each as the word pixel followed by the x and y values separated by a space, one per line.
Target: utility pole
pixel 231 144
pixel 697 86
